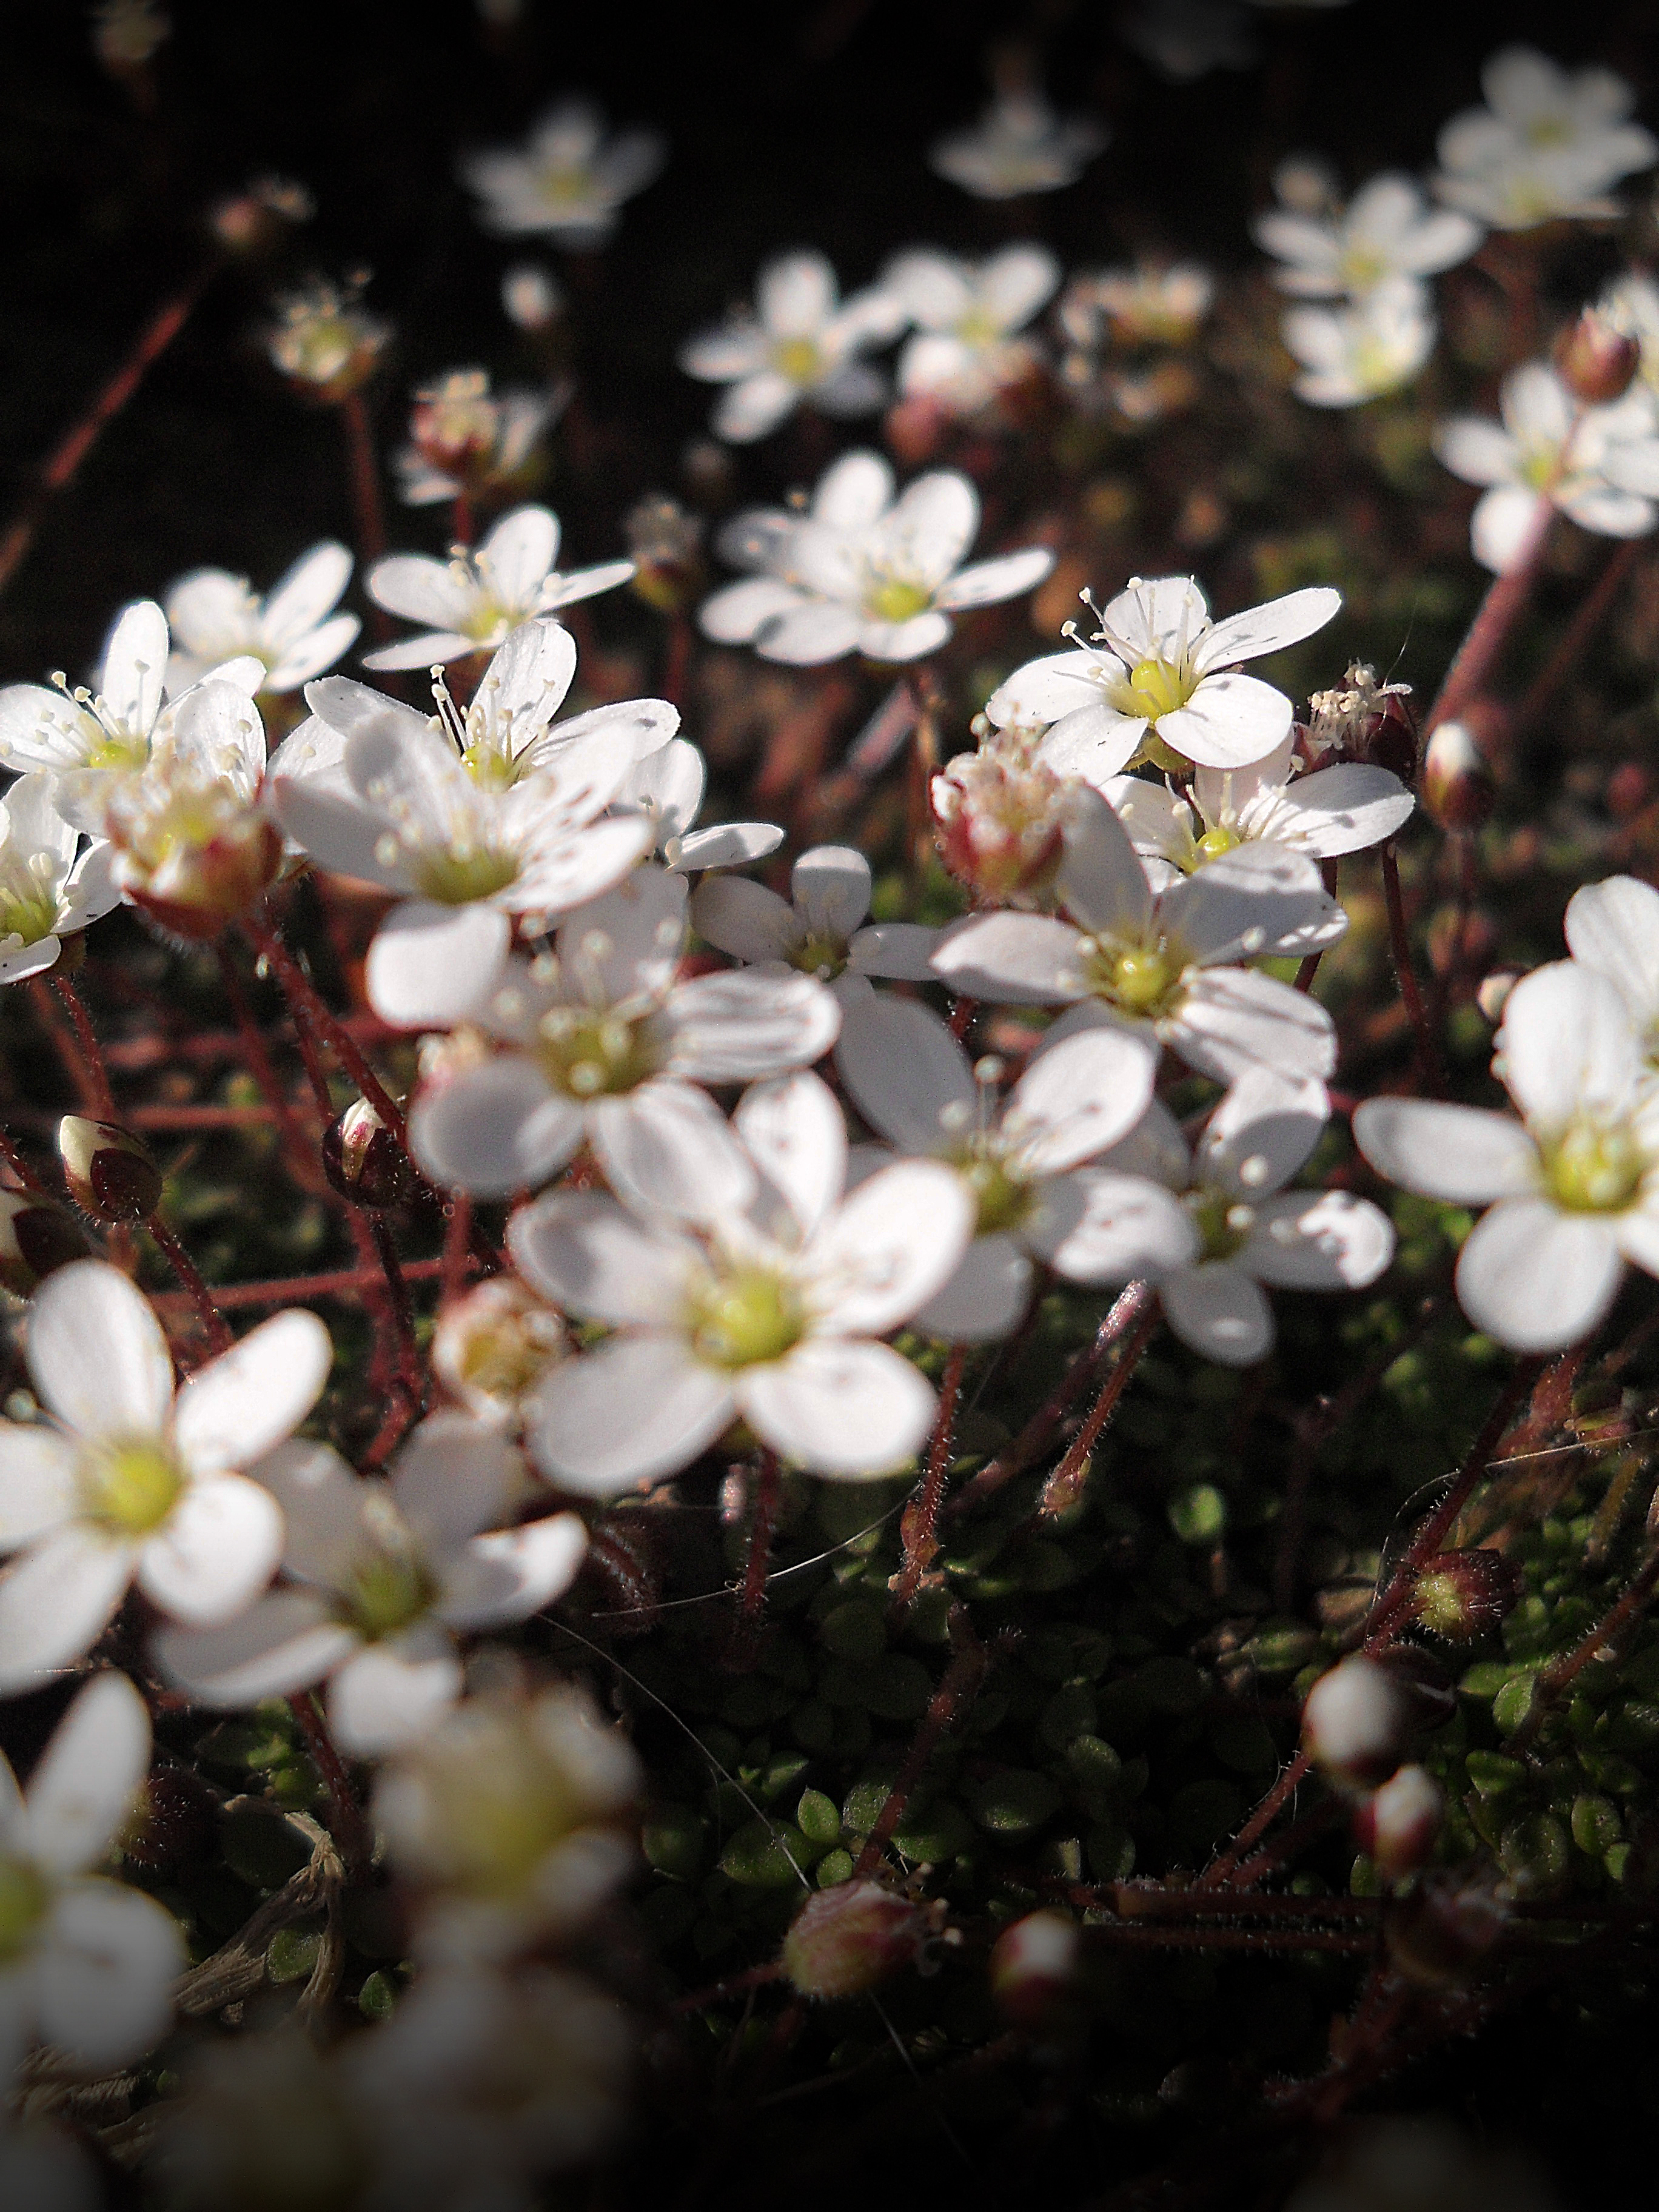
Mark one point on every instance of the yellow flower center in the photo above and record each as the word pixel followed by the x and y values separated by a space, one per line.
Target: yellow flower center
pixel 1212 844
pixel 130 1485
pixel 1005 1200
pixel 564 184
pixel 119 752
pixel 1156 687
pixel 1363 269
pixel 897 599
pixel 491 766
pixel 746 1318
pixel 455 875
pixel 824 957
pixel 1540 468
pixel 26 911
pixel 593 1056
pixel 386 1591
pixel 1593 1169
pixel 1140 978
pixel 1221 1222
pixel 23 1900
pixel 799 359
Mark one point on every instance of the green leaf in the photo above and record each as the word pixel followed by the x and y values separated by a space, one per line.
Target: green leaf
pixel 767 1855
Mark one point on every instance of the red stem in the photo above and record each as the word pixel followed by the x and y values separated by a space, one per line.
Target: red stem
pixel 1488 634
pixel 1428 1053
pixel 350 1824
pixel 406 1382
pixel 955 1692
pixel 1061 1490
pixel 218 1328
pixel 921 1516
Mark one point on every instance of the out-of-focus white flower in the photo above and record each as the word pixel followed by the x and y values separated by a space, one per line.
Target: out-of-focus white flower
pixel 1338 810
pixel 964 351
pixel 474 600
pixel 531 296
pixel 387 1574
pixel 799 345
pixel 1548 142
pixel 1158 673
pixel 742 1286
pixel 47 894
pixel 1598 465
pixel 1613 928
pixel 569 179
pixel 1019 145
pixel 1388 230
pixel 324 339
pixel 1018 1159
pixel 668 787
pixel 85 1963
pixel 1571 1189
pixel 128 1481
pixel 1185 39
pixel 1631 304
pixel 860 571
pixel 1153 303
pixel 1167 963
pixel 493 1344
pixel 822 928
pixel 463 439
pixel 610 1048
pixel 1352 354
pixel 293 632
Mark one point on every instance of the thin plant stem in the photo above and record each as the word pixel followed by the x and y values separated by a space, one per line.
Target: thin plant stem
pixel 296 1146
pixel 406 1382
pixel 1220 1867
pixel 302 996
pixel 1494 621
pixel 766 1496
pixel 1061 1490
pixel 217 1328
pixel 957 1690
pixel 1592 612
pixel 350 1824
pixel 87 1038
pixel 1623 1615
pixel 367 511
pixel 1428 1053
pixel 458 1230
pixel 336 1283
pixel 920 1520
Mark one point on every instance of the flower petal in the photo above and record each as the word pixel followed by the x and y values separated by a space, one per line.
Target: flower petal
pixel 1612 927
pixel 1266 628
pixel 893 1242
pixel 737 615
pixel 222 1542
pixel 1345 809
pixel 853 492
pixel 617 1418
pixel 453 1477
pixel 1317 1241
pixel 1257 901
pixel 1460 1153
pixel 507 1576
pixel 1048 690
pixel 104 1975
pixel 518 553
pixel 430 966
pixel 1075 1100
pixel 494 1129
pixel 900 951
pixel 1230 721
pixel 744 919
pixel 37 1488
pixel 1566 1046
pixel 792 1128
pixel 1094 741
pixel 324 1507
pixel 985 1299
pixel 666 1147
pixel 1264 1130
pixel 986 583
pixel 284 1641
pixel 134 666
pixel 748 409
pixel 96 1354
pixel 1102 880
pixel 390 1694
pixel 56 1600
pixel 1537 1279
pixel 584 1251
pixel 830 887
pixel 1232 1019
pixel 1013 959
pixel 236 1407
pixel 89 1774
pixel 729 1028
pixel 1505 524
pixel 1096 1226
pixel 810 633
pixel 838 1408
pixel 1218 1311
pixel 906 1074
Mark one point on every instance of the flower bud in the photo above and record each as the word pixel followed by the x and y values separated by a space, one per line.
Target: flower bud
pixel 999 823
pixel 664 540
pixel 1458 791
pixel 1440 1935
pixel 1397 1824
pixel 1494 992
pixel 110 1172
pixel 496 1344
pixel 324 341
pixel 254 221
pixel 531 297
pixel 1034 1968
pixel 1362 719
pixel 1597 362
pixel 364 1162
pixel 1355 1723
pixel 846 1940
pixel 36 1238
pixel 1465 1594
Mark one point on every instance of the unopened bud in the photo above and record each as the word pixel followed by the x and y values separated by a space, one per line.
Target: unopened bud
pixel 109 1171
pixel 664 540
pixel 1458 791
pixel 531 296
pixel 1442 1934
pixel 252 222
pixel 36 1238
pixel 1034 1968
pixel 1493 994
pixel 1397 1824
pixel 1464 1594
pixel 1000 822
pixel 494 1344
pixel 364 1161
pixel 847 1939
pixel 1596 362
pixel 1356 1722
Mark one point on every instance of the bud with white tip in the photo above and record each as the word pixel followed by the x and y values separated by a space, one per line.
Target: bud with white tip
pixel 1355 1723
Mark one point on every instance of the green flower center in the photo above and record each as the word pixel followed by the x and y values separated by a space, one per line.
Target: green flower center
pixel 593 1056
pixel 1363 269
pixel 824 956
pixel 746 1318
pixel 1221 1222
pixel 459 874
pixel 491 766
pixel 1213 843
pixel 1592 1168
pixel 897 599
pixel 1155 687
pixel 386 1591
pixel 23 1900
pixel 1004 1200
pixel 1140 978
pixel 564 184
pixel 131 1486
pixel 1540 469
pixel 119 752
pixel 29 914
pixel 799 359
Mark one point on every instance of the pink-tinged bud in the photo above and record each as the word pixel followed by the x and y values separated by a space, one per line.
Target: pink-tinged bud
pixel 454 424
pixel 531 296
pixel 1596 362
pixel 254 221
pixel 1000 822
pixel 36 1239
pixel 190 850
pixel 665 541
pixel 917 428
pixel 1442 1933
pixel 1464 1594
pixel 1355 1723
pixel 1629 788
pixel 494 1344
pixel 1362 719
pixel 364 1161
pixel 1397 1824
pixel 1457 788
pixel 109 1171
pixel 1034 1968
pixel 847 1939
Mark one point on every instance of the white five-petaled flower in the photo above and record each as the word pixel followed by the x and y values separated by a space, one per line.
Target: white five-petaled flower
pixel 473 820
pixel 45 892
pixel 293 632
pixel 1571 1189
pixel 966 317
pixel 1352 354
pixel 1343 809
pixel 822 929
pixel 1166 964
pixel 1386 231
pixel 610 1048
pixel 1018 145
pixel 384 1575
pixel 1246 1228
pixel 475 600
pixel 1548 142
pixel 1018 1159
pixel 569 179
pixel 861 572
pixel 743 1286
pixel 1157 668
pixel 801 343
pixel 129 1479
pixel 667 786
pixel 1600 465
pixel 86 1963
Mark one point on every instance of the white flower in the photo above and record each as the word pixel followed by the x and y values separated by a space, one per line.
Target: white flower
pixel 1631 304
pixel 1166 965
pixel 463 438
pixel 324 339
pixel 86 1963
pixel 1343 809
pixel 1185 39
pixel 1572 1188
pixel 491 1344
pixel 1018 145
pixel 1353 354
pixel 1150 304
pixel 861 572
pixel 1598 465
pixel 966 315
pixel 1018 1160
pixel 474 601
pixel 128 1481
pixel 762 1304
pixel 1386 231
pixel 569 179
pixel 1247 1228
pixel 667 786
pixel 1612 928
pixel 820 929
pixel 1159 669
pixel 45 892
pixel 1548 142
pixel 386 1574
pixel 473 822
pixel 610 1048
pixel 293 632
pixel 531 296
pixel 800 343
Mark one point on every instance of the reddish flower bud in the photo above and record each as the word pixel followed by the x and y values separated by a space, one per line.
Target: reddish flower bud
pixel 665 541
pixel 847 1939
pixel 1464 1594
pixel 34 1239
pixel 1597 363
pixel 1442 1934
pixel 1397 1824
pixel 999 823
pixel 109 1171
pixel 1362 719
pixel 1457 787
pixel 1034 1968
pixel 364 1161
pixel 1356 1722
